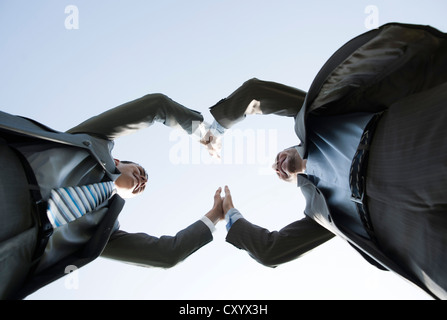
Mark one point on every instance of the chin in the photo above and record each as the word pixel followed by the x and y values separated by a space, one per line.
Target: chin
pixel 291 178
pixel 125 193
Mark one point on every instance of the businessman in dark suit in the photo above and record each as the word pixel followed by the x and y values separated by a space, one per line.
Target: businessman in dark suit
pixel 372 157
pixel 35 246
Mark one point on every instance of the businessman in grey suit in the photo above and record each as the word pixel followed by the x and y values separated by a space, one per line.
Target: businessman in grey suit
pixel 36 159
pixel 372 157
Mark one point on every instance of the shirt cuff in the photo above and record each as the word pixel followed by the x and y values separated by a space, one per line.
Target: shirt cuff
pixel 216 129
pixel 231 217
pixel 208 223
pixel 200 131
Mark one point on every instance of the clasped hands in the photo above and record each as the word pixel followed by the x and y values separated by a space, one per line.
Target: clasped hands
pixel 211 138
pixel 221 205
pixel 212 141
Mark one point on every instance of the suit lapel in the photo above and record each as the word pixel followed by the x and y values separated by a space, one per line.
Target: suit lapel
pixel 339 56
pixel 98 148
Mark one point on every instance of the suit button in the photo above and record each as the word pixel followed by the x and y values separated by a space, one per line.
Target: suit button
pixel 86 143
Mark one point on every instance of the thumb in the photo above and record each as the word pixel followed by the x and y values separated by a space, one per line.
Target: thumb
pixel 218 192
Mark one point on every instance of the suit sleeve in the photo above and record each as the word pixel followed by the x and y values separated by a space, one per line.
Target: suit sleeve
pixel 149 251
pixel 138 114
pixel 273 98
pixel 277 247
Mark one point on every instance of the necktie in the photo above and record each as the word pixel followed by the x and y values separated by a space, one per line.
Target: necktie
pixel 70 203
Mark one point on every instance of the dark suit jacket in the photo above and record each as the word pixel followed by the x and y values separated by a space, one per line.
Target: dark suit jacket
pixel 369 73
pixel 96 135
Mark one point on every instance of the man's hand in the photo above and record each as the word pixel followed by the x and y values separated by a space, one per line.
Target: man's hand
pixel 227 202
pixel 212 143
pixel 216 213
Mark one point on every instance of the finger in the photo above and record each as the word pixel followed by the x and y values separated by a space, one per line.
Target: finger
pixel 227 191
pixel 214 154
pixel 218 191
pixel 205 143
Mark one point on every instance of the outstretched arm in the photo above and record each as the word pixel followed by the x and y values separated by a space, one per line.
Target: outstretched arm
pixel 166 251
pixel 138 114
pixel 272 248
pixel 253 97
pixel 149 251
pixel 258 97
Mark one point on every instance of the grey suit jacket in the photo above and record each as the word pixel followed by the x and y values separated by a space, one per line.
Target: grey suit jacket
pixel 96 135
pixel 369 73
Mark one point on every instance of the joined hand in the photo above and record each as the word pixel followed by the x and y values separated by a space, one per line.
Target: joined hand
pixel 221 205
pixel 212 143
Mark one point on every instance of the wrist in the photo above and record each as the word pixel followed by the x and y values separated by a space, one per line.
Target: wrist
pixel 231 217
pixel 227 209
pixel 199 130
pixel 217 129
pixel 208 223
pixel 213 216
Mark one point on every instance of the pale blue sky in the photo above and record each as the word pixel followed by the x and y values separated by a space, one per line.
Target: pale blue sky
pixel 196 52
